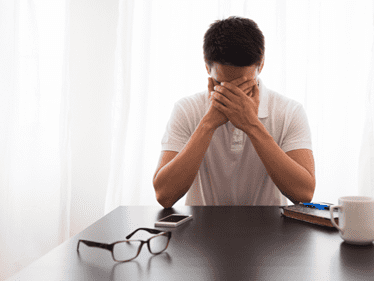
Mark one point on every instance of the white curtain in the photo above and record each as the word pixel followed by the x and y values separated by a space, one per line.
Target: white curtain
pixel 31 183
pixel 366 158
pixel 87 88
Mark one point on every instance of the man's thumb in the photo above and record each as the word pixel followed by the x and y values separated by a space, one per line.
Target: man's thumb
pixel 255 92
pixel 210 86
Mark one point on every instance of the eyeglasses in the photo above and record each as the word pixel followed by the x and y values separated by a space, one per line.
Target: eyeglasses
pixel 128 250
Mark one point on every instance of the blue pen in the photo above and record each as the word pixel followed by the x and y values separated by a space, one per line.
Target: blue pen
pixel 317 206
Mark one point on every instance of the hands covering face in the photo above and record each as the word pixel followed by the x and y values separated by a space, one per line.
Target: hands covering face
pixel 232 101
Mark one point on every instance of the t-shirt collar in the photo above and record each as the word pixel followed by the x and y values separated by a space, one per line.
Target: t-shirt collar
pixel 263 106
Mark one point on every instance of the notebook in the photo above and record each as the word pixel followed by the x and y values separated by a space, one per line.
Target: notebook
pixel 316 213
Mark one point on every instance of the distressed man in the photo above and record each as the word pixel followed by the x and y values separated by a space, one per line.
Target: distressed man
pixel 238 143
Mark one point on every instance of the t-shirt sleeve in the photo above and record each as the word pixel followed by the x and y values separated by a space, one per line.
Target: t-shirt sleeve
pixel 177 131
pixel 298 134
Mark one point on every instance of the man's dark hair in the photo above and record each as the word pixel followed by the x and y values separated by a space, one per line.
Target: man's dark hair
pixel 234 41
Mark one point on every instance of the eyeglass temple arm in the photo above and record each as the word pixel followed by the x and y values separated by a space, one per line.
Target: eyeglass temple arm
pixel 150 230
pixel 108 247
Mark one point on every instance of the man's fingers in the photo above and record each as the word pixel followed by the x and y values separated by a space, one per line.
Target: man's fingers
pixel 211 85
pixel 239 81
pixel 247 86
pixel 242 83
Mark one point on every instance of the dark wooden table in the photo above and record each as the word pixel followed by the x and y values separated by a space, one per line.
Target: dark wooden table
pixel 220 243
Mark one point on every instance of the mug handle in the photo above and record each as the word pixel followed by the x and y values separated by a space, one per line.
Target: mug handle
pixel 332 217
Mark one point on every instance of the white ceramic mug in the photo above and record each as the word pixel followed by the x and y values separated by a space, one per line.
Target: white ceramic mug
pixel 356 219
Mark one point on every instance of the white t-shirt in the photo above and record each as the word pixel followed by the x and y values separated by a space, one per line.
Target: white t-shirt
pixel 231 172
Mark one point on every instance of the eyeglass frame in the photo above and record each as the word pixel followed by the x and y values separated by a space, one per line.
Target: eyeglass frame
pixel 110 247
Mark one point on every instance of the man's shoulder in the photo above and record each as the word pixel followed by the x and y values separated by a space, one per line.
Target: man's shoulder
pixel 198 98
pixel 279 103
pixel 280 99
pixel 193 103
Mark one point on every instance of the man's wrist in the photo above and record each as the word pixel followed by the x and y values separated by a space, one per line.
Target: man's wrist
pixel 208 125
pixel 253 130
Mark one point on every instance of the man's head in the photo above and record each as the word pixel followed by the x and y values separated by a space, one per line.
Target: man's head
pixel 234 47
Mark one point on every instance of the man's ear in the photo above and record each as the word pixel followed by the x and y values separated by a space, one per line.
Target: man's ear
pixel 207 68
pixel 261 65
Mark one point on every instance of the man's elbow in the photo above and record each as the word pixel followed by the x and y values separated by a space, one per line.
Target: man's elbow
pixel 164 203
pixel 312 189
pixel 161 199
pixel 308 197
pixel 305 196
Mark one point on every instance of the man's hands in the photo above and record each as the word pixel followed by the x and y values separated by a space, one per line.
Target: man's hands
pixel 217 115
pixel 239 108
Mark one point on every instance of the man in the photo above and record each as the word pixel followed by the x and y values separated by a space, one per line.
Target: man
pixel 239 143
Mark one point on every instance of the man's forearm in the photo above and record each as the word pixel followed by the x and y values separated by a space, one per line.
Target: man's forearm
pixel 293 180
pixel 176 177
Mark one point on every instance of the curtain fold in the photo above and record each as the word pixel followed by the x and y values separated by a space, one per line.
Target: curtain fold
pixel 9 12
pixel 366 158
pixel 30 90
pixel 87 89
pixel 65 138
pixel 120 104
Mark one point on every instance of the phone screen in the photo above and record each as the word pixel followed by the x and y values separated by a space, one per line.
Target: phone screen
pixel 173 218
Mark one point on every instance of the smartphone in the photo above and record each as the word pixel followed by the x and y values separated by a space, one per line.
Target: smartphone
pixel 173 220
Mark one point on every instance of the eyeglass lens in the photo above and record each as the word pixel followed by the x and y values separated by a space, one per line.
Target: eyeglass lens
pixel 126 250
pixel 129 249
pixel 158 243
